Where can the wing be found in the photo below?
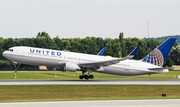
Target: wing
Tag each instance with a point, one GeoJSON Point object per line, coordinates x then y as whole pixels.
{"type": "Point", "coordinates": [97, 65]}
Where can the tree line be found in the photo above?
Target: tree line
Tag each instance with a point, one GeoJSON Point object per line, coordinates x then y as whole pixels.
{"type": "Point", "coordinates": [118, 47]}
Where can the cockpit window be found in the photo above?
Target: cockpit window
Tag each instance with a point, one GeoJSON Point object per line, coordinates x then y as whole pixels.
{"type": "Point", "coordinates": [11, 50]}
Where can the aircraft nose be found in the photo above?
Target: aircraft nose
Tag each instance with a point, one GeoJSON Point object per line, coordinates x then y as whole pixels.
{"type": "Point", "coordinates": [4, 53]}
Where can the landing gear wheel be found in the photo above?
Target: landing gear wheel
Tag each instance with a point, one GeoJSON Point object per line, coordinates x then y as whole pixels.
{"type": "Point", "coordinates": [81, 77]}
{"type": "Point", "coordinates": [91, 76]}
{"type": "Point", "coordinates": [86, 77]}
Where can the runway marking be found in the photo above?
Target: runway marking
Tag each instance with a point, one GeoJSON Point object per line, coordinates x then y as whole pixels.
{"type": "Point", "coordinates": [90, 82]}
{"type": "Point", "coordinates": [105, 103]}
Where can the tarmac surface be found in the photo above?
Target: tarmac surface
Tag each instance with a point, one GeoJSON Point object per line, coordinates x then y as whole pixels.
{"type": "Point", "coordinates": [89, 82]}
{"type": "Point", "coordinates": [105, 103]}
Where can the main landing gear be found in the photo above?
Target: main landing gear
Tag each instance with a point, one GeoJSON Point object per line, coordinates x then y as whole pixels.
{"type": "Point", "coordinates": [86, 76]}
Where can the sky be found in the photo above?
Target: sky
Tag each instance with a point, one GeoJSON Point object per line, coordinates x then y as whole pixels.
{"type": "Point", "coordinates": [82, 18]}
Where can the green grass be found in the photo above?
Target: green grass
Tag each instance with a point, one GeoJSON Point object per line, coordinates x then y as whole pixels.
{"type": "Point", "coordinates": [50, 75]}
{"type": "Point", "coordinates": [26, 93]}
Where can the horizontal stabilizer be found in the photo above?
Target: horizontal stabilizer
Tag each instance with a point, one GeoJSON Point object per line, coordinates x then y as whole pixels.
{"type": "Point", "coordinates": [161, 68]}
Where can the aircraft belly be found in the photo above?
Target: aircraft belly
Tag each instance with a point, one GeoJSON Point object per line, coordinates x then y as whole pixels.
{"type": "Point", "coordinates": [124, 72]}
{"type": "Point", "coordinates": [115, 71]}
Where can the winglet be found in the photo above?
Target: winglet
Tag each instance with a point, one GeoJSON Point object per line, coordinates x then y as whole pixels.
{"type": "Point", "coordinates": [101, 52]}
{"type": "Point", "coordinates": [134, 51]}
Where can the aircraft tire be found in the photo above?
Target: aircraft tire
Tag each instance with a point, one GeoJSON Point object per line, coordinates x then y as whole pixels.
{"type": "Point", "coordinates": [86, 77]}
{"type": "Point", "coordinates": [91, 76]}
{"type": "Point", "coordinates": [81, 77]}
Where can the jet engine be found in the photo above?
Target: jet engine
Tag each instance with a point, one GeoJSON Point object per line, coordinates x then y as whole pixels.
{"type": "Point", "coordinates": [71, 67]}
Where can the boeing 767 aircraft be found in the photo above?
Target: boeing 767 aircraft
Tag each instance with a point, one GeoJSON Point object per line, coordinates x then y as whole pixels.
{"type": "Point", "coordinates": [71, 61]}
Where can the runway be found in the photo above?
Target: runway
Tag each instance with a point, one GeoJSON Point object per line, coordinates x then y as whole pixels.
{"type": "Point", "coordinates": [105, 103]}
{"type": "Point", "coordinates": [89, 82]}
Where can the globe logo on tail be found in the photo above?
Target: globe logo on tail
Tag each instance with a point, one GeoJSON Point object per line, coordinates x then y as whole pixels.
{"type": "Point", "coordinates": [155, 58]}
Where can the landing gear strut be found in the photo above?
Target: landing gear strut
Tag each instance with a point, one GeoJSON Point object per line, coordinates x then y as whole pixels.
{"type": "Point", "coordinates": [86, 76]}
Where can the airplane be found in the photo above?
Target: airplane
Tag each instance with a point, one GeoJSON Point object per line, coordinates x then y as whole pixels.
{"type": "Point", "coordinates": [72, 61]}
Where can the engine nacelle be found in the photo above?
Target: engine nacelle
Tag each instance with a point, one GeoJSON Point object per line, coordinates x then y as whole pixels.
{"type": "Point", "coordinates": [71, 67]}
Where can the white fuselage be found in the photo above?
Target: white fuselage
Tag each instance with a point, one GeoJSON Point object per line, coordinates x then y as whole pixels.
{"type": "Point", "coordinates": [56, 58]}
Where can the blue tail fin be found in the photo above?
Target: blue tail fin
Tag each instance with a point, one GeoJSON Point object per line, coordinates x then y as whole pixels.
{"type": "Point", "coordinates": [159, 55]}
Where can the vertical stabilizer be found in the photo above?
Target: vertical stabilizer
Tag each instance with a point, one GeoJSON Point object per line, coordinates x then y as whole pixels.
{"type": "Point", "coordinates": [159, 55]}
